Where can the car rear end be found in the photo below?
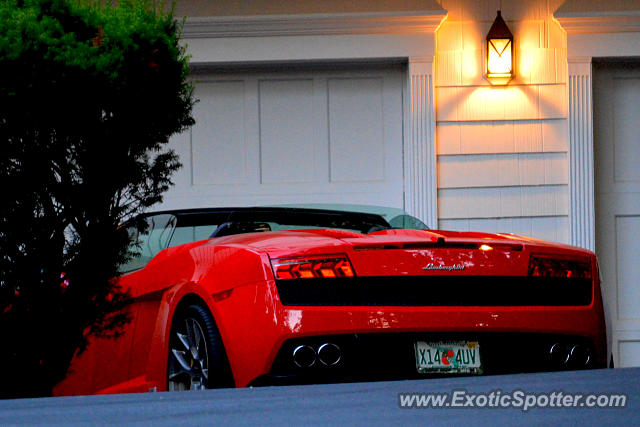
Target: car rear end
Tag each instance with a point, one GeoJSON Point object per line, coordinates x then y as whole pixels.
{"type": "Point", "coordinates": [401, 304]}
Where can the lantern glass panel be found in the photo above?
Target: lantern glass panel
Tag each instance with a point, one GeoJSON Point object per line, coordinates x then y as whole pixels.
{"type": "Point", "coordinates": [499, 56]}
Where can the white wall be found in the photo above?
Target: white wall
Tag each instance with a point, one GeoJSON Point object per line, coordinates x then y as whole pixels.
{"type": "Point", "coordinates": [502, 150]}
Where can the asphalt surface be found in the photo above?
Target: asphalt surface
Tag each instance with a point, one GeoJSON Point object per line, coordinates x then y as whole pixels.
{"type": "Point", "coordinates": [343, 404]}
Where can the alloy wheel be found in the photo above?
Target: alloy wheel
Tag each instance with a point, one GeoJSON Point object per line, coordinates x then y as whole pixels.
{"type": "Point", "coordinates": [188, 356]}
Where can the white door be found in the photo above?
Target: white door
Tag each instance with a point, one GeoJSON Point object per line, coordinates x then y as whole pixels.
{"type": "Point", "coordinates": [311, 135]}
{"type": "Point", "coordinates": [617, 161]}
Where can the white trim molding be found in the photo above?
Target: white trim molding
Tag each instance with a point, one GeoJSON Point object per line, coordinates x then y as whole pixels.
{"type": "Point", "coordinates": [581, 157]}
{"type": "Point", "coordinates": [597, 23]}
{"type": "Point", "coordinates": [420, 171]}
{"type": "Point", "coordinates": [313, 24]}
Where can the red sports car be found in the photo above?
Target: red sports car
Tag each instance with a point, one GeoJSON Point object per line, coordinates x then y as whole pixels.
{"type": "Point", "coordinates": [282, 295]}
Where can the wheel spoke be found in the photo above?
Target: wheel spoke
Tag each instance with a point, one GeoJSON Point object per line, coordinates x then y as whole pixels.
{"type": "Point", "coordinates": [184, 340]}
{"type": "Point", "coordinates": [177, 374]}
{"type": "Point", "coordinates": [205, 371]}
{"type": "Point", "coordinates": [197, 335]}
{"type": "Point", "coordinates": [179, 356]}
{"type": "Point", "coordinates": [189, 329]}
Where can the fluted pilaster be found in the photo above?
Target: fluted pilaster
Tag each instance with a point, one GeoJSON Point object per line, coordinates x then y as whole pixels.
{"type": "Point", "coordinates": [421, 192]}
{"type": "Point", "coordinates": [581, 167]}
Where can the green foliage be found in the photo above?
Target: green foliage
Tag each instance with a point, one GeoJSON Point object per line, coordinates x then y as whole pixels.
{"type": "Point", "coordinates": [89, 96]}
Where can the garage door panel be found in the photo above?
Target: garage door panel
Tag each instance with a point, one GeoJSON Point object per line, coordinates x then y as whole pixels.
{"type": "Point", "coordinates": [218, 142]}
{"type": "Point", "coordinates": [629, 353]}
{"type": "Point", "coordinates": [181, 145]}
{"type": "Point", "coordinates": [356, 130]}
{"type": "Point", "coordinates": [617, 148]}
{"type": "Point", "coordinates": [296, 136]}
{"type": "Point", "coordinates": [200, 199]}
{"type": "Point", "coordinates": [277, 191]}
{"type": "Point", "coordinates": [626, 129]}
{"type": "Point", "coordinates": [628, 268]}
{"type": "Point", "coordinates": [286, 146]}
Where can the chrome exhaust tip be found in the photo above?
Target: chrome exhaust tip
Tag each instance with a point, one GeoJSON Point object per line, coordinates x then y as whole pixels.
{"type": "Point", "coordinates": [559, 354]}
{"type": "Point", "coordinates": [579, 355]}
{"type": "Point", "coordinates": [329, 354]}
{"type": "Point", "coordinates": [304, 356]}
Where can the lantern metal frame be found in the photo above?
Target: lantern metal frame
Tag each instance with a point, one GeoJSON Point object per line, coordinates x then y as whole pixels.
{"type": "Point", "coordinates": [499, 43]}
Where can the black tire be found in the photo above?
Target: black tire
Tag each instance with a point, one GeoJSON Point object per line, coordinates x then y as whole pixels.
{"type": "Point", "coordinates": [197, 359]}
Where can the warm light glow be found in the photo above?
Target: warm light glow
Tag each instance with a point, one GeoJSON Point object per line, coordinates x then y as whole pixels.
{"type": "Point", "coordinates": [485, 248]}
{"type": "Point", "coordinates": [499, 79]}
{"type": "Point", "coordinates": [499, 53]}
{"type": "Point", "coordinates": [499, 56]}
{"type": "Point", "coordinates": [471, 66]}
{"type": "Point", "coordinates": [499, 61]}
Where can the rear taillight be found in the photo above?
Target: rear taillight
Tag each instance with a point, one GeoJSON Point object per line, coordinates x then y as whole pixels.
{"type": "Point", "coordinates": [312, 267]}
{"type": "Point", "coordinates": [551, 266]}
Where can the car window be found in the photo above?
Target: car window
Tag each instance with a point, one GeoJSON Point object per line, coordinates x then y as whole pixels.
{"type": "Point", "coordinates": [194, 226]}
{"type": "Point", "coordinates": [407, 222]}
{"type": "Point", "coordinates": [146, 244]}
{"type": "Point", "coordinates": [191, 233]}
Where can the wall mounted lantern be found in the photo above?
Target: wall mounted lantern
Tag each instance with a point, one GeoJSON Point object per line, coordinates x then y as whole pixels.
{"type": "Point", "coordinates": [499, 53]}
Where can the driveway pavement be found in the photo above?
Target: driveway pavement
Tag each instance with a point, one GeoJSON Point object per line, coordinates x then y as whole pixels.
{"type": "Point", "coordinates": [355, 404]}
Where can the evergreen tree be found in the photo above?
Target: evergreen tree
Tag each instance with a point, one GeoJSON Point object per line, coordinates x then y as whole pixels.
{"type": "Point", "coordinates": [89, 95]}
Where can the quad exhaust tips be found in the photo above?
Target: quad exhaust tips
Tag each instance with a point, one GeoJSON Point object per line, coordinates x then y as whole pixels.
{"type": "Point", "coordinates": [577, 356]}
{"type": "Point", "coordinates": [305, 356]}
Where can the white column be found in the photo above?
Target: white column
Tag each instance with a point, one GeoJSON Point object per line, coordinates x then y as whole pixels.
{"type": "Point", "coordinates": [581, 164]}
{"type": "Point", "coordinates": [420, 171]}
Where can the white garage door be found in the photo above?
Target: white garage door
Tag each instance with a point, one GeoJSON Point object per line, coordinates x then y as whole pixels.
{"type": "Point", "coordinates": [617, 146]}
{"type": "Point", "coordinates": [303, 136]}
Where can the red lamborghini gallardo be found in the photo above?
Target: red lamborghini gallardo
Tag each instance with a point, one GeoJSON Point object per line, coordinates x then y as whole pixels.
{"type": "Point", "coordinates": [283, 295]}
